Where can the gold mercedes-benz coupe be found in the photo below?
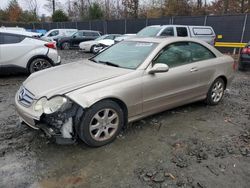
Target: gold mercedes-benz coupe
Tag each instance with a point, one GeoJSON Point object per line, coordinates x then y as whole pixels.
{"type": "Point", "coordinates": [93, 99]}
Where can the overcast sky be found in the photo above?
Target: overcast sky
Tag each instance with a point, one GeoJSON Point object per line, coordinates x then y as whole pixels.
{"type": "Point", "coordinates": [4, 3]}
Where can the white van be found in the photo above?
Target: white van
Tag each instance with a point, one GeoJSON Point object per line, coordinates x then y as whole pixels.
{"type": "Point", "coordinates": [55, 34]}
{"type": "Point", "coordinates": [205, 33]}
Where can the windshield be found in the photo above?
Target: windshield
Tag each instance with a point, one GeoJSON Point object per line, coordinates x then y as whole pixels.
{"type": "Point", "coordinates": [101, 37]}
{"type": "Point", "coordinates": [126, 54]}
{"type": "Point", "coordinates": [149, 32]}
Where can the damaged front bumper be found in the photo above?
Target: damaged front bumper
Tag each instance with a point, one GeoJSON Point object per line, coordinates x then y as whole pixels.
{"type": "Point", "coordinates": [59, 125]}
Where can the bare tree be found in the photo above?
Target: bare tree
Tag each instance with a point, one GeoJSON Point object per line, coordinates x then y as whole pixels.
{"type": "Point", "coordinates": [32, 6]}
{"type": "Point", "coordinates": [225, 6]}
{"type": "Point", "coordinates": [52, 5]}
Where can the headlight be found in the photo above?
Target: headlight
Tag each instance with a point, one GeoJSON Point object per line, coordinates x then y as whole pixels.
{"type": "Point", "coordinates": [50, 106]}
{"type": "Point", "coordinates": [40, 104]}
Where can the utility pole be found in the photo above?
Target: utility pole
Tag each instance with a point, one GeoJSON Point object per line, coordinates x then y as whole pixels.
{"type": "Point", "coordinates": [54, 6]}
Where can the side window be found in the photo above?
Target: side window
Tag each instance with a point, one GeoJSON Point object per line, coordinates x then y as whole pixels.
{"type": "Point", "coordinates": [87, 34]}
{"type": "Point", "coordinates": [200, 52]}
{"type": "Point", "coordinates": [169, 31]}
{"type": "Point", "coordinates": [11, 38]}
{"type": "Point", "coordinates": [95, 34]}
{"type": "Point", "coordinates": [175, 55]}
{"type": "Point", "coordinates": [54, 33]}
{"type": "Point", "coordinates": [1, 38]}
{"type": "Point", "coordinates": [79, 34]}
{"type": "Point", "coordinates": [181, 31]}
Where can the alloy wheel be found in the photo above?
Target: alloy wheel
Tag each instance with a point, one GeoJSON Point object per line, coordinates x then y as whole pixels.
{"type": "Point", "coordinates": [104, 124]}
{"type": "Point", "coordinates": [39, 64]}
{"type": "Point", "coordinates": [217, 91]}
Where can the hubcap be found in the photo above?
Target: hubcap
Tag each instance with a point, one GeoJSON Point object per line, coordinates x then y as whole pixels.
{"type": "Point", "coordinates": [104, 124]}
{"type": "Point", "coordinates": [40, 65]}
{"type": "Point", "coordinates": [217, 91]}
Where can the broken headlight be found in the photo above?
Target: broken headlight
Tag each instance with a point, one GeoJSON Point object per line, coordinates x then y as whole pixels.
{"type": "Point", "coordinates": [50, 106]}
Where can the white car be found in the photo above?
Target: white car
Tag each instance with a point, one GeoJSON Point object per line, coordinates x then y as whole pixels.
{"type": "Point", "coordinates": [20, 52]}
{"type": "Point", "coordinates": [125, 36]}
{"type": "Point", "coordinates": [20, 30]}
{"type": "Point", "coordinates": [91, 46]}
{"type": "Point", "coordinates": [205, 33]}
{"type": "Point", "coordinates": [56, 34]}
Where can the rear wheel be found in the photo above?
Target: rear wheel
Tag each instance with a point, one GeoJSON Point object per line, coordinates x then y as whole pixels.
{"type": "Point", "coordinates": [39, 64]}
{"type": "Point", "coordinates": [65, 46]}
{"type": "Point", "coordinates": [101, 123]}
{"type": "Point", "coordinates": [216, 92]}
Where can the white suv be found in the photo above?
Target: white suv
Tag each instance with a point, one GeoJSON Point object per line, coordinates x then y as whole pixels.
{"type": "Point", "coordinates": [56, 34]}
{"type": "Point", "coordinates": [19, 51]}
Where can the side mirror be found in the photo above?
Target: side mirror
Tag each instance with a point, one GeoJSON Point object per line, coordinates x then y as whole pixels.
{"type": "Point", "coordinates": [158, 68]}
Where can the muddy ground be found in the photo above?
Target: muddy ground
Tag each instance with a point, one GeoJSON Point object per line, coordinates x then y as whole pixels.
{"type": "Point", "coordinates": [191, 146]}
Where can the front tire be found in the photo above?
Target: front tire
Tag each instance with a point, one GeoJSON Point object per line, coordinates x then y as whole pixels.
{"type": "Point", "coordinates": [216, 92]}
{"type": "Point", "coordinates": [101, 123]}
{"type": "Point", "coordinates": [38, 64]}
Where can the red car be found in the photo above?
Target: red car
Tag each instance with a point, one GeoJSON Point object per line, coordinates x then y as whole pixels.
{"type": "Point", "coordinates": [244, 62]}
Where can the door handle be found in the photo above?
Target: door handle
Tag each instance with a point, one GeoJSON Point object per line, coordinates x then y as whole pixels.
{"type": "Point", "coordinates": [194, 69]}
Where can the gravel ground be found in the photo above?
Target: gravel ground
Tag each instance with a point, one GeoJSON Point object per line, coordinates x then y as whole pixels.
{"type": "Point", "coordinates": [191, 146]}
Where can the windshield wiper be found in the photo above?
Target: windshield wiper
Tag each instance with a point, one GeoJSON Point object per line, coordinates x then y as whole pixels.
{"type": "Point", "coordinates": [109, 63]}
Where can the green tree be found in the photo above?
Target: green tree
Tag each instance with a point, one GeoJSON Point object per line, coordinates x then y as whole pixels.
{"type": "Point", "coordinates": [59, 16]}
{"type": "Point", "coordinates": [95, 11]}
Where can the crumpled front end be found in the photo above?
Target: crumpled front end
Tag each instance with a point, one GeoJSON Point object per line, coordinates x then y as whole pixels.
{"type": "Point", "coordinates": [59, 124]}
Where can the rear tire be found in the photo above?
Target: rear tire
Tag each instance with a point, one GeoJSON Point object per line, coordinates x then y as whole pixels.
{"type": "Point", "coordinates": [38, 64]}
{"type": "Point", "coordinates": [65, 46]}
{"type": "Point", "coordinates": [101, 123]}
{"type": "Point", "coordinates": [216, 92]}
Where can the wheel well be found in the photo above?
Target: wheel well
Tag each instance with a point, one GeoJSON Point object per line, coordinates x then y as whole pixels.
{"type": "Point", "coordinates": [36, 57]}
{"type": "Point", "coordinates": [224, 79]}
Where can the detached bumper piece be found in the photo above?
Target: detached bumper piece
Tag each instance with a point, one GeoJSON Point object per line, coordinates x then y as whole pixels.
{"type": "Point", "coordinates": [59, 125]}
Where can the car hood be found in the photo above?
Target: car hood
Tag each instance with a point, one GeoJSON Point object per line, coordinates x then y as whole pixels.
{"type": "Point", "coordinates": [66, 78]}
{"type": "Point", "coordinates": [91, 42]}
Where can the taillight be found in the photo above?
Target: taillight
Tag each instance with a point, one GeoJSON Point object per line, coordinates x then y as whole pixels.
{"type": "Point", "coordinates": [50, 45]}
{"type": "Point", "coordinates": [245, 50]}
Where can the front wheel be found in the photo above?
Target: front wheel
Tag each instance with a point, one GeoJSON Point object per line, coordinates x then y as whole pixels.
{"type": "Point", "coordinates": [216, 92]}
{"type": "Point", "coordinates": [101, 123]}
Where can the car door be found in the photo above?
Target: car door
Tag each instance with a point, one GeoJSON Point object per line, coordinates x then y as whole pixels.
{"type": "Point", "coordinates": [77, 38]}
{"type": "Point", "coordinates": [12, 50]}
{"type": "Point", "coordinates": [205, 63]}
{"type": "Point", "coordinates": [177, 86]}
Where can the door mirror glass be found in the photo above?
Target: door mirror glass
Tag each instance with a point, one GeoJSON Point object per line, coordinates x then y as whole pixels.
{"type": "Point", "coordinates": [158, 68]}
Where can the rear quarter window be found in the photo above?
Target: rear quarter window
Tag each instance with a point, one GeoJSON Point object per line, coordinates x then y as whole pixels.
{"type": "Point", "coordinates": [95, 34]}
{"type": "Point", "coordinates": [182, 31]}
{"type": "Point", "coordinates": [202, 31]}
{"type": "Point", "coordinates": [199, 52]}
{"type": "Point", "coordinates": [11, 38]}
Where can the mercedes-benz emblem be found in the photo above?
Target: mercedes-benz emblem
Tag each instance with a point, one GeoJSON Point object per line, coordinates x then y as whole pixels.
{"type": "Point", "coordinates": [21, 94]}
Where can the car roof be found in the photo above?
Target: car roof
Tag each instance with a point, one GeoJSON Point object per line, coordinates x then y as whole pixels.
{"type": "Point", "coordinates": [165, 40]}
{"type": "Point", "coordinates": [17, 32]}
{"type": "Point", "coordinates": [89, 31]}
{"type": "Point", "coordinates": [172, 25]}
